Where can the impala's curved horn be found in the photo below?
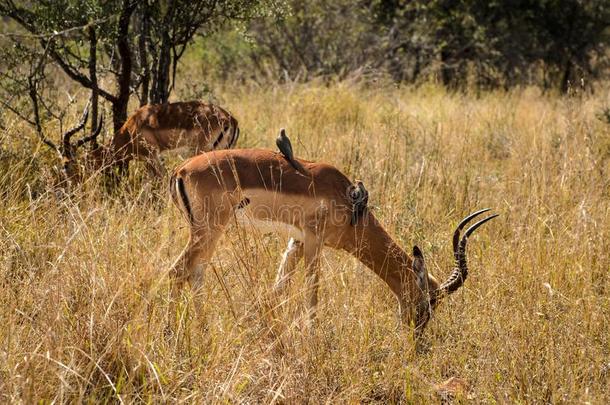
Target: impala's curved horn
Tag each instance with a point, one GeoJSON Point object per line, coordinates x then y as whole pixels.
{"type": "Point", "coordinates": [461, 225]}
{"type": "Point", "coordinates": [460, 272]}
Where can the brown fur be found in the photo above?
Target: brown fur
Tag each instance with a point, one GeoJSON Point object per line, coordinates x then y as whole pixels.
{"type": "Point", "coordinates": [155, 128]}
{"type": "Point", "coordinates": [317, 207]}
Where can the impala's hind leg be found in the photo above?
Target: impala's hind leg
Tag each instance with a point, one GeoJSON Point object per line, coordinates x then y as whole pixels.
{"type": "Point", "coordinates": [190, 266]}
{"type": "Point", "coordinates": [208, 219]}
{"type": "Point", "coordinates": [290, 259]}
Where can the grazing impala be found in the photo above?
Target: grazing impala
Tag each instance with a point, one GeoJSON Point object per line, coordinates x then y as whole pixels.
{"type": "Point", "coordinates": [154, 128]}
{"type": "Point", "coordinates": [323, 208]}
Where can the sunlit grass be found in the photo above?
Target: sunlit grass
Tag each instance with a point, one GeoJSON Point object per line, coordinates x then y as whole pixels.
{"type": "Point", "coordinates": [86, 308]}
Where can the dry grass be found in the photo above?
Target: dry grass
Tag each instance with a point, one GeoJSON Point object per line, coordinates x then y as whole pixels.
{"type": "Point", "coordinates": [85, 302]}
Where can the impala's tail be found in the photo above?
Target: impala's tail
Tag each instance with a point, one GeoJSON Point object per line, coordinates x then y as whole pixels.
{"type": "Point", "coordinates": [179, 196]}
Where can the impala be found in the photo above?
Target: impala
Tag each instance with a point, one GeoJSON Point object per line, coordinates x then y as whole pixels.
{"type": "Point", "coordinates": [154, 128]}
{"type": "Point", "coordinates": [321, 208]}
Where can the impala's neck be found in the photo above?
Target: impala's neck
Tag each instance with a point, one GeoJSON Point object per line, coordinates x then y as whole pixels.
{"type": "Point", "coordinates": [374, 247]}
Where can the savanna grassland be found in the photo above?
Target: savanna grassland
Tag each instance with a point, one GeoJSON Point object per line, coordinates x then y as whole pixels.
{"type": "Point", "coordinates": [85, 308]}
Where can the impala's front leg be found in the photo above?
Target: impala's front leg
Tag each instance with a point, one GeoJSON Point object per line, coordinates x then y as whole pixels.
{"type": "Point", "coordinates": [290, 259]}
{"type": "Point", "coordinates": [154, 166]}
{"type": "Point", "coordinates": [312, 249]}
{"type": "Point", "coordinates": [148, 149]}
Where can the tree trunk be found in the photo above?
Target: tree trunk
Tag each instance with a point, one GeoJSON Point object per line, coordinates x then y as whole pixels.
{"type": "Point", "coordinates": [143, 40]}
{"type": "Point", "coordinates": [446, 70]}
{"type": "Point", "coordinates": [417, 65]}
{"type": "Point", "coordinates": [565, 78]}
{"type": "Point", "coordinates": [119, 107]}
{"type": "Point", "coordinates": [162, 80]}
{"type": "Point", "coordinates": [93, 77]}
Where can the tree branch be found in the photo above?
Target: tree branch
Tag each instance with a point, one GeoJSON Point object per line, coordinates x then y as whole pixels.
{"type": "Point", "coordinates": [34, 97]}
{"type": "Point", "coordinates": [80, 78]}
{"type": "Point", "coordinates": [93, 75]}
{"type": "Point", "coordinates": [47, 41]}
{"type": "Point", "coordinates": [17, 113]}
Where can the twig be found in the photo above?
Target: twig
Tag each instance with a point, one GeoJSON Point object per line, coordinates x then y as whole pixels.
{"type": "Point", "coordinates": [57, 33]}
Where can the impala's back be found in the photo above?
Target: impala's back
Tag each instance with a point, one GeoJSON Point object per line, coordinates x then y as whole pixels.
{"type": "Point", "coordinates": [266, 191]}
{"type": "Point", "coordinates": [194, 125]}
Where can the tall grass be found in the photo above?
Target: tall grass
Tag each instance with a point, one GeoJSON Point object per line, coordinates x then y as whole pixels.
{"type": "Point", "coordinates": [85, 305]}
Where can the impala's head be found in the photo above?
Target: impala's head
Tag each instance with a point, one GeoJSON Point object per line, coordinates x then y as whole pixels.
{"type": "Point", "coordinates": [431, 292]}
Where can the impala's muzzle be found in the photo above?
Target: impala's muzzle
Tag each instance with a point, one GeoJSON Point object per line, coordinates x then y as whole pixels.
{"type": "Point", "coordinates": [423, 313]}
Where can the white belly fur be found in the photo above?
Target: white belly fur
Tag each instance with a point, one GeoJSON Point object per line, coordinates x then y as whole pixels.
{"type": "Point", "coordinates": [268, 226]}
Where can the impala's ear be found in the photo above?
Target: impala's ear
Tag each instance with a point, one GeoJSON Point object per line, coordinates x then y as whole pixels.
{"type": "Point", "coordinates": [419, 267]}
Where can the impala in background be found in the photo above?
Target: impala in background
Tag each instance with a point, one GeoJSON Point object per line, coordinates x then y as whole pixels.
{"type": "Point", "coordinates": [195, 126]}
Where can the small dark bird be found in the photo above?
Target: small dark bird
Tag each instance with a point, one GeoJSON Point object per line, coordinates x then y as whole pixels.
{"type": "Point", "coordinates": [285, 147]}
